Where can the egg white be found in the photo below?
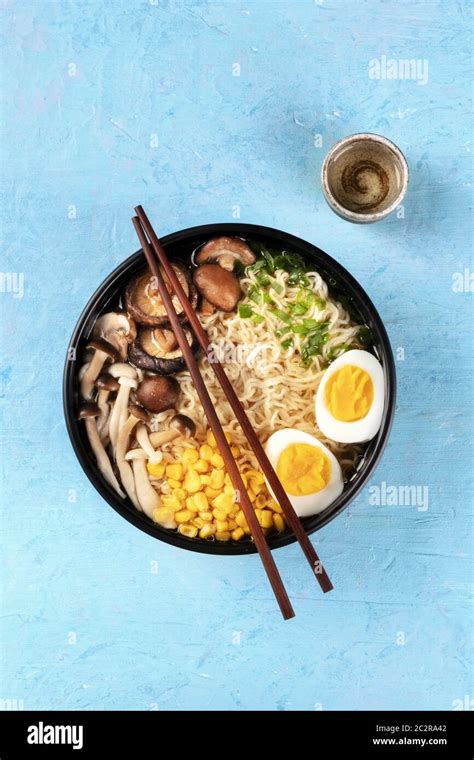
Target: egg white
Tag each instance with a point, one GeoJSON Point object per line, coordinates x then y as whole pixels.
{"type": "Point", "coordinates": [359, 430]}
{"type": "Point", "coordinates": [313, 503]}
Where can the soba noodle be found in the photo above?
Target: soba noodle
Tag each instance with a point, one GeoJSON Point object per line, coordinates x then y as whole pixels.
{"type": "Point", "coordinates": [275, 389]}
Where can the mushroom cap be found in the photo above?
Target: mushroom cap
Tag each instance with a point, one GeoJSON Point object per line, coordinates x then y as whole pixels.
{"type": "Point", "coordinates": [118, 328]}
{"type": "Point", "coordinates": [139, 412]}
{"type": "Point", "coordinates": [90, 409]}
{"type": "Point", "coordinates": [99, 344]}
{"type": "Point", "coordinates": [217, 285]}
{"type": "Point", "coordinates": [143, 300]}
{"type": "Point", "coordinates": [225, 251]}
{"type": "Point", "coordinates": [185, 425]}
{"type": "Point", "coordinates": [120, 369]}
{"type": "Point", "coordinates": [158, 393]}
{"type": "Point", "coordinates": [107, 383]}
{"type": "Point", "coordinates": [148, 353]}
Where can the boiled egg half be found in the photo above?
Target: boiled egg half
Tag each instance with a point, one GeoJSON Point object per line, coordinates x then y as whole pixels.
{"type": "Point", "coordinates": [350, 398]}
{"type": "Point", "coordinates": [307, 470]}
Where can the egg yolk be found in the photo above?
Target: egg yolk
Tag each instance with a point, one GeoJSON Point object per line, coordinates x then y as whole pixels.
{"type": "Point", "coordinates": [349, 393]}
{"type": "Point", "coordinates": [303, 469]}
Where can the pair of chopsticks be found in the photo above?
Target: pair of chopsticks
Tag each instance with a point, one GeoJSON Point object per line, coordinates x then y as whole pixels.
{"type": "Point", "coordinates": [156, 255]}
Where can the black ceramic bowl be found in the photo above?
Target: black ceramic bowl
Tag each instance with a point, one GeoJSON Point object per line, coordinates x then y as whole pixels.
{"type": "Point", "coordinates": [180, 245]}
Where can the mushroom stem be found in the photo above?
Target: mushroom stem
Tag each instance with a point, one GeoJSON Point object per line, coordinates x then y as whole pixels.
{"type": "Point", "coordinates": [141, 434]}
{"type": "Point", "coordinates": [162, 437]}
{"type": "Point", "coordinates": [92, 373]}
{"type": "Point", "coordinates": [146, 494]}
{"type": "Point", "coordinates": [125, 470]}
{"type": "Point", "coordinates": [102, 403]}
{"type": "Point", "coordinates": [119, 410]}
{"type": "Point", "coordinates": [103, 351]}
{"type": "Point", "coordinates": [103, 461]}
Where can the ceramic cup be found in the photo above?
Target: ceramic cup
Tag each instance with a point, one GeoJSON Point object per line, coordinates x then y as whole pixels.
{"type": "Point", "coordinates": [364, 178]}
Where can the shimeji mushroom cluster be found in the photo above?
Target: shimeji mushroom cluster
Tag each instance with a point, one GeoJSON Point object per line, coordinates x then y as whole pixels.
{"type": "Point", "coordinates": [111, 414]}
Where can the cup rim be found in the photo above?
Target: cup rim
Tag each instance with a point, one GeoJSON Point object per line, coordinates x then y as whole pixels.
{"type": "Point", "coordinates": [341, 210]}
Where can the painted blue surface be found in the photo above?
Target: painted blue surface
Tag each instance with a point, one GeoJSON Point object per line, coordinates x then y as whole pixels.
{"type": "Point", "coordinates": [96, 614]}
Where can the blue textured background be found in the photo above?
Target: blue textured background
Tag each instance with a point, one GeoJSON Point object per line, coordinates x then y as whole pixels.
{"type": "Point", "coordinates": [96, 614]}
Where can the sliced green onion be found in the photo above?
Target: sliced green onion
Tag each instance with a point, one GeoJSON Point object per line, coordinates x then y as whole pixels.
{"type": "Point", "coordinates": [365, 336]}
{"type": "Point", "coordinates": [337, 351]}
{"type": "Point", "coordinates": [298, 309]}
{"type": "Point", "coordinates": [282, 331]}
{"type": "Point", "coordinates": [270, 264]}
{"type": "Point", "coordinates": [255, 294]}
{"type": "Point", "coordinates": [277, 287]}
{"type": "Point", "coordinates": [245, 311]}
{"type": "Point", "coordinates": [257, 319]}
{"type": "Point", "coordinates": [238, 268]}
{"type": "Point", "coordinates": [288, 343]}
{"type": "Point", "coordinates": [282, 315]}
{"type": "Point", "coordinates": [298, 328]}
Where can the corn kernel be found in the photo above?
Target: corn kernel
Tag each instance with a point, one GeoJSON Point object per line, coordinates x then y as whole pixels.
{"type": "Point", "coordinates": [222, 525]}
{"type": "Point", "coordinates": [174, 471]}
{"type": "Point", "coordinates": [278, 522]}
{"type": "Point", "coordinates": [192, 481]}
{"type": "Point", "coordinates": [207, 531]}
{"type": "Point", "coordinates": [198, 522]}
{"type": "Point", "coordinates": [165, 517]}
{"type": "Point", "coordinates": [205, 480]}
{"type": "Point", "coordinates": [260, 501]}
{"type": "Point", "coordinates": [235, 451]}
{"type": "Point", "coordinates": [256, 475]}
{"type": "Point", "coordinates": [224, 502]}
{"type": "Point", "coordinates": [170, 501]}
{"type": "Point", "coordinates": [217, 479]}
{"type": "Point", "coordinates": [223, 535]}
{"type": "Point", "coordinates": [201, 502]}
{"type": "Point", "coordinates": [188, 530]}
{"type": "Point", "coordinates": [241, 520]}
{"type": "Point", "coordinates": [179, 494]}
{"type": "Point", "coordinates": [211, 493]}
{"type": "Point", "coordinates": [205, 452]}
{"type": "Point", "coordinates": [237, 534]}
{"type": "Point", "coordinates": [206, 516]}
{"type": "Point", "coordinates": [183, 516]}
{"type": "Point", "coordinates": [266, 519]}
{"type": "Point", "coordinates": [256, 486]}
{"type": "Point", "coordinates": [219, 514]}
{"type": "Point", "coordinates": [217, 461]}
{"type": "Point", "coordinates": [156, 470]}
{"type": "Point", "coordinates": [274, 506]}
{"type": "Point", "coordinates": [211, 439]}
{"type": "Point", "coordinates": [232, 524]}
{"type": "Point", "coordinates": [258, 512]}
{"type": "Point", "coordinates": [201, 465]}
{"type": "Point", "coordinates": [230, 490]}
{"type": "Point", "coordinates": [191, 504]}
{"type": "Point", "coordinates": [173, 483]}
{"type": "Point", "coordinates": [190, 456]}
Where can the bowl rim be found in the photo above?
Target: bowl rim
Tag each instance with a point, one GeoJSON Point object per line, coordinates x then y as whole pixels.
{"type": "Point", "coordinates": [77, 436]}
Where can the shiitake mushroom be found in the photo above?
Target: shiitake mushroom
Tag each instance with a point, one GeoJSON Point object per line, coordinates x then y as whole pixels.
{"type": "Point", "coordinates": [143, 301]}
{"type": "Point", "coordinates": [156, 349]}
{"type": "Point", "coordinates": [218, 286]}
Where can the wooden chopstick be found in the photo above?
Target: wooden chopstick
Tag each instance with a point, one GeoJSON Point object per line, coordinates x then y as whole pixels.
{"type": "Point", "coordinates": [290, 515]}
{"type": "Point", "coordinates": [230, 463]}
